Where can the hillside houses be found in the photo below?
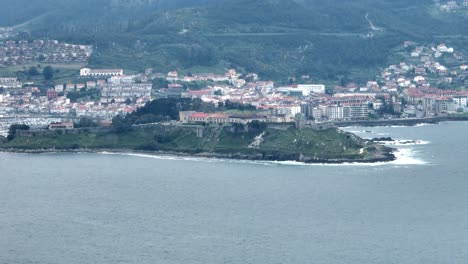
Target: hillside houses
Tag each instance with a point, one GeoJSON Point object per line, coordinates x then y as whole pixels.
{"type": "Point", "coordinates": [47, 51]}
{"type": "Point", "coordinates": [428, 81]}
{"type": "Point", "coordinates": [9, 83]}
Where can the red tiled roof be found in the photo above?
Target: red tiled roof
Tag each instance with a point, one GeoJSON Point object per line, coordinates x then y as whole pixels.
{"type": "Point", "coordinates": [199, 115]}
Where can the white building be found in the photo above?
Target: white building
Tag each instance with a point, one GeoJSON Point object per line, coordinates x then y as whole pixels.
{"type": "Point", "coordinates": [335, 112]}
{"type": "Point", "coordinates": [303, 89]}
{"type": "Point", "coordinates": [10, 83]}
{"type": "Point", "coordinates": [287, 110]}
{"type": "Point", "coordinates": [119, 92]}
{"type": "Point", "coordinates": [100, 72]}
{"type": "Point", "coordinates": [59, 88]}
{"type": "Point", "coordinates": [312, 88]}
{"type": "Point", "coordinates": [460, 101]}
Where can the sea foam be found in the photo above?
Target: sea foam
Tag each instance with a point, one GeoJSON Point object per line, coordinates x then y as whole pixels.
{"type": "Point", "coordinates": [406, 156]}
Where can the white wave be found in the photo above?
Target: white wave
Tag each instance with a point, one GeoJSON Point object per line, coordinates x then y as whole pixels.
{"type": "Point", "coordinates": [403, 157]}
{"type": "Point", "coordinates": [354, 131]}
{"type": "Point", "coordinates": [403, 142]}
{"type": "Point", "coordinates": [255, 162]}
{"type": "Point", "coordinates": [358, 131]}
{"type": "Point", "coordinates": [382, 134]}
{"type": "Point", "coordinates": [423, 125]}
{"type": "Point", "coordinates": [186, 158]}
{"type": "Point", "coordinates": [345, 164]}
{"type": "Point", "coordinates": [406, 157]}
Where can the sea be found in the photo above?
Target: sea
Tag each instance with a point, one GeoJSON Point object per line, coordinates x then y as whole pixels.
{"type": "Point", "coordinates": [130, 208]}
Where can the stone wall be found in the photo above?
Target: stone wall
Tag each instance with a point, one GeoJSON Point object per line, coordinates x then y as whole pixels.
{"type": "Point", "coordinates": [47, 132]}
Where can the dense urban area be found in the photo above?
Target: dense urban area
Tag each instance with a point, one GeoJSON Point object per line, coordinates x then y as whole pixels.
{"type": "Point", "coordinates": [428, 81]}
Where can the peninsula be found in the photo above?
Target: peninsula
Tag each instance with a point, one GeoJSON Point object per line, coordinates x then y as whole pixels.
{"type": "Point", "coordinates": [254, 141]}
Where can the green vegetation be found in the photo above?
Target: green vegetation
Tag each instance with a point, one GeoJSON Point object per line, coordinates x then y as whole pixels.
{"type": "Point", "coordinates": [290, 144]}
{"type": "Point", "coordinates": [328, 40]}
{"type": "Point", "coordinates": [48, 73]}
{"type": "Point", "coordinates": [44, 76]}
{"type": "Point", "coordinates": [166, 109]}
{"type": "Point", "coordinates": [14, 128]}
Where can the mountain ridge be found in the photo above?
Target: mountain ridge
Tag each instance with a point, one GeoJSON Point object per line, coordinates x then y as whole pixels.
{"type": "Point", "coordinates": [327, 39]}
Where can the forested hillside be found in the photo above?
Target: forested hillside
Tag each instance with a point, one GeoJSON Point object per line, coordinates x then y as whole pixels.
{"type": "Point", "coordinates": [278, 38]}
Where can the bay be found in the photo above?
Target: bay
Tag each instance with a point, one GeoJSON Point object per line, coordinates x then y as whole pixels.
{"type": "Point", "coordinates": [117, 208]}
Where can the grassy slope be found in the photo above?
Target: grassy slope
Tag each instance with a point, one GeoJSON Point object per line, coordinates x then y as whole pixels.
{"type": "Point", "coordinates": [325, 144]}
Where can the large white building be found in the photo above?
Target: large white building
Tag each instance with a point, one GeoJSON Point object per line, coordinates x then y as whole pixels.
{"type": "Point", "coordinates": [100, 72]}
{"type": "Point", "coordinates": [460, 101]}
{"type": "Point", "coordinates": [303, 89]}
{"type": "Point", "coordinates": [118, 90]}
{"type": "Point", "coordinates": [342, 112]}
{"type": "Point", "coordinates": [287, 110]}
{"type": "Point", "coordinates": [312, 88]}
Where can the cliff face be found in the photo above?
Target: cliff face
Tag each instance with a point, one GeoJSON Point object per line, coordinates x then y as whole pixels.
{"type": "Point", "coordinates": [289, 144]}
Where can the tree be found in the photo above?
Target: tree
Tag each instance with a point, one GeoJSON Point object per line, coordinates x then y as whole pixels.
{"type": "Point", "coordinates": [160, 83]}
{"type": "Point", "coordinates": [14, 128]}
{"type": "Point", "coordinates": [33, 71]}
{"type": "Point", "coordinates": [48, 73]}
{"type": "Point", "coordinates": [121, 124]}
{"type": "Point", "coordinates": [85, 122]}
{"type": "Point", "coordinates": [238, 127]}
{"type": "Point", "coordinates": [257, 126]}
{"type": "Point", "coordinates": [149, 118]}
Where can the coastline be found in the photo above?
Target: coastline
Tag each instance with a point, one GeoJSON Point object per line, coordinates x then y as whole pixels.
{"type": "Point", "coordinates": [401, 121]}
{"type": "Point", "coordinates": [385, 155]}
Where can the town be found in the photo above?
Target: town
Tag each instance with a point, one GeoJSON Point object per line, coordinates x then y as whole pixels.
{"type": "Point", "coordinates": [428, 81]}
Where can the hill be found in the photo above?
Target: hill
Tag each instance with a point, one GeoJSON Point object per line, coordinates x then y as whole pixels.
{"type": "Point", "coordinates": [306, 145]}
{"type": "Point", "coordinates": [330, 40]}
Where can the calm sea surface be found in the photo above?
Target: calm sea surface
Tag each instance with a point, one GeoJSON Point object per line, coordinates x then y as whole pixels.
{"type": "Point", "coordinates": [105, 208]}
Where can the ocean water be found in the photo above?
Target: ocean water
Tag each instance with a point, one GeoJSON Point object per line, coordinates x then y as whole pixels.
{"type": "Point", "coordinates": [116, 208]}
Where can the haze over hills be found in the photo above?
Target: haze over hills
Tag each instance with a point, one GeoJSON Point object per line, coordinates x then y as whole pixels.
{"type": "Point", "coordinates": [328, 39]}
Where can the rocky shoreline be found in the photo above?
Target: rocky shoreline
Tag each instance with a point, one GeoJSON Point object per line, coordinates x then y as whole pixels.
{"type": "Point", "coordinates": [401, 122]}
{"type": "Point", "coordinates": [381, 154]}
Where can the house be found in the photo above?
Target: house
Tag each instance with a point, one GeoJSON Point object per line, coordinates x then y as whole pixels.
{"type": "Point", "coordinates": [51, 94]}
{"type": "Point", "coordinates": [218, 119]}
{"type": "Point", "coordinates": [184, 116]}
{"type": "Point", "coordinates": [172, 76]}
{"type": "Point", "coordinates": [59, 88]}
{"type": "Point", "coordinates": [10, 83]}
{"type": "Point", "coordinates": [70, 87]}
{"type": "Point", "coordinates": [91, 84]}
{"type": "Point", "coordinates": [198, 118]}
